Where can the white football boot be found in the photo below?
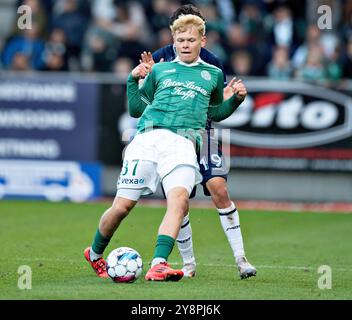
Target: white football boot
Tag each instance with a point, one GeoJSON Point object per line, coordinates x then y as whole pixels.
{"type": "Point", "coordinates": [245, 269]}
{"type": "Point", "coordinates": [189, 269]}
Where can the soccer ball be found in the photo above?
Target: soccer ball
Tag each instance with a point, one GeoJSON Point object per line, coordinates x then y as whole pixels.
{"type": "Point", "coordinates": [124, 265]}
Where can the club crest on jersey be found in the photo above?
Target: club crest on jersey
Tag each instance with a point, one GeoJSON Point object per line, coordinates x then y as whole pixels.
{"type": "Point", "coordinates": [205, 75]}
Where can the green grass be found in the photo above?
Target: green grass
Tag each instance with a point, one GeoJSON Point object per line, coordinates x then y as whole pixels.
{"type": "Point", "coordinates": [287, 249]}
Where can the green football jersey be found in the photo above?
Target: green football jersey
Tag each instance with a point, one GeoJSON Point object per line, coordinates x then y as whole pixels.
{"type": "Point", "coordinates": [178, 95]}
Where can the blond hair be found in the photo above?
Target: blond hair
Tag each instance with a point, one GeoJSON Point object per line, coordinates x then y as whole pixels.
{"type": "Point", "coordinates": [184, 21]}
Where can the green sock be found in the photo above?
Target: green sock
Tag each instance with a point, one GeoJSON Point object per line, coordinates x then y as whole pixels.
{"type": "Point", "coordinates": [164, 246]}
{"type": "Point", "coordinates": [100, 242]}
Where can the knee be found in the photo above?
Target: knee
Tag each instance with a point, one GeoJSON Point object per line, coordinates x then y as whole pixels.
{"type": "Point", "coordinates": [220, 195]}
{"type": "Point", "coordinates": [184, 204]}
{"type": "Point", "coordinates": [121, 207]}
{"type": "Point", "coordinates": [113, 216]}
{"type": "Point", "coordinates": [179, 198]}
{"type": "Point", "coordinates": [183, 201]}
{"type": "Point", "coordinates": [120, 213]}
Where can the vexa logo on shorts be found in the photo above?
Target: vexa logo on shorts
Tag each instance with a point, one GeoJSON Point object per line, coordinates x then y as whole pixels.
{"type": "Point", "coordinates": [130, 181]}
{"type": "Point", "coordinates": [289, 115]}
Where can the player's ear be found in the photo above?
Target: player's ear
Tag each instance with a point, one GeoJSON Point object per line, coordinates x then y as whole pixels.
{"type": "Point", "coordinates": [204, 41]}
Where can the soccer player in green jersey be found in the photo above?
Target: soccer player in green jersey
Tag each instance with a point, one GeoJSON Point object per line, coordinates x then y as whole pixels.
{"type": "Point", "coordinates": [173, 104]}
{"type": "Point", "coordinates": [212, 166]}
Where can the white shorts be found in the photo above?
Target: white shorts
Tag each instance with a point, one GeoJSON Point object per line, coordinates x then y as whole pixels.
{"type": "Point", "coordinates": [182, 176]}
{"type": "Point", "coordinates": [151, 156]}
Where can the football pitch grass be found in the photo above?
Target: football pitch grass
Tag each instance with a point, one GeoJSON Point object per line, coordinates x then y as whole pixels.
{"type": "Point", "coordinates": [286, 247]}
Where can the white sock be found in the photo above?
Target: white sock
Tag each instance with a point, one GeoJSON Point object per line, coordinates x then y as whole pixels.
{"type": "Point", "coordinates": [156, 261]}
{"type": "Point", "coordinates": [230, 222]}
{"type": "Point", "coordinates": [184, 241]}
{"type": "Point", "coordinates": [94, 256]}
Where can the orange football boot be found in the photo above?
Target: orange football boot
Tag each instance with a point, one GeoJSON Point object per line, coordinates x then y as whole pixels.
{"type": "Point", "coordinates": [163, 272]}
{"type": "Point", "coordinates": [99, 265]}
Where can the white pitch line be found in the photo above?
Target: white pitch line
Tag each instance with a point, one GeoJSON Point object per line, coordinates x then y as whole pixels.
{"type": "Point", "coordinates": [212, 265]}
{"type": "Point", "coordinates": [265, 266]}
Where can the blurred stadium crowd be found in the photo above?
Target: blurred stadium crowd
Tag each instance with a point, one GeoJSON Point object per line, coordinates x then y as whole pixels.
{"type": "Point", "coordinates": [278, 39]}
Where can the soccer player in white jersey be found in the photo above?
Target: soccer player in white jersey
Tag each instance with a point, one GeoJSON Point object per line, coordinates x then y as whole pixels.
{"type": "Point", "coordinates": [174, 103]}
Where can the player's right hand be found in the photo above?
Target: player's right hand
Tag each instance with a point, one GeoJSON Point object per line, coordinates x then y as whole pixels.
{"type": "Point", "coordinates": [141, 70]}
{"type": "Point", "coordinates": [147, 57]}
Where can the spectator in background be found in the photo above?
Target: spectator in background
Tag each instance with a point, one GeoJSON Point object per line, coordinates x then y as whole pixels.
{"type": "Point", "coordinates": [334, 66]}
{"type": "Point", "coordinates": [313, 69]}
{"type": "Point", "coordinates": [282, 31]}
{"type": "Point", "coordinates": [20, 62]}
{"type": "Point", "coordinates": [251, 19]}
{"type": "Point", "coordinates": [160, 12]}
{"type": "Point", "coordinates": [122, 67]}
{"type": "Point", "coordinates": [55, 62]}
{"type": "Point", "coordinates": [326, 45]}
{"type": "Point", "coordinates": [100, 46]}
{"type": "Point", "coordinates": [313, 35]}
{"type": "Point", "coordinates": [280, 67]}
{"type": "Point", "coordinates": [238, 40]}
{"type": "Point", "coordinates": [128, 23]}
{"type": "Point", "coordinates": [214, 44]}
{"type": "Point", "coordinates": [226, 11]}
{"type": "Point", "coordinates": [69, 18]}
{"type": "Point", "coordinates": [212, 17]}
{"type": "Point", "coordinates": [55, 53]}
{"type": "Point", "coordinates": [8, 18]}
{"type": "Point", "coordinates": [241, 62]}
{"type": "Point", "coordinates": [27, 44]}
{"type": "Point", "coordinates": [39, 16]}
{"type": "Point", "coordinates": [128, 29]}
{"type": "Point", "coordinates": [99, 52]}
{"type": "Point", "coordinates": [330, 44]}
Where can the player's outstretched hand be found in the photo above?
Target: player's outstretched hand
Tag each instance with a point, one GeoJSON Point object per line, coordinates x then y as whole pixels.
{"type": "Point", "coordinates": [228, 93]}
{"type": "Point", "coordinates": [147, 57]}
{"type": "Point", "coordinates": [238, 88]}
{"type": "Point", "coordinates": [141, 70]}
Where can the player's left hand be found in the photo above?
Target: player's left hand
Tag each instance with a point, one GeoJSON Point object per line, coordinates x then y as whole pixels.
{"type": "Point", "coordinates": [228, 91]}
{"type": "Point", "coordinates": [238, 88]}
